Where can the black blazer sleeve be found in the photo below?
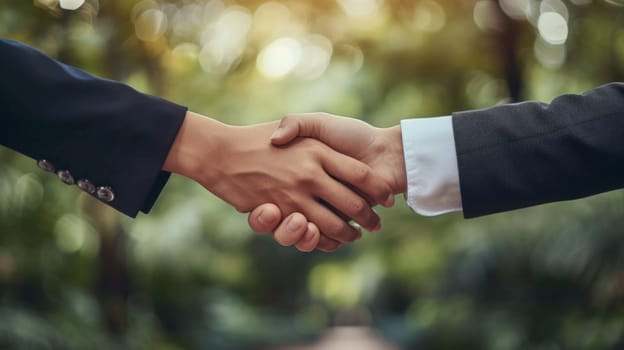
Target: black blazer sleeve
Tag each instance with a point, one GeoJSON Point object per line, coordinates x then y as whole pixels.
{"type": "Point", "coordinates": [519, 155]}
{"type": "Point", "coordinates": [102, 134]}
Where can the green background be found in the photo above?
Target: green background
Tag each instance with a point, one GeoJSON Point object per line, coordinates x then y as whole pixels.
{"type": "Point", "coordinates": [75, 274]}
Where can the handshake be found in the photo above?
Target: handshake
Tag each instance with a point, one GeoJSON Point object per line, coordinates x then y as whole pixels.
{"type": "Point", "coordinates": [308, 177]}
{"type": "Point", "coordinates": [311, 179]}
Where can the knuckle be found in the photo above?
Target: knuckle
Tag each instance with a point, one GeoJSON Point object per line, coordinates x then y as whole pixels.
{"type": "Point", "coordinates": [361, 174]}
{"type": "Point", "coordinates": [360, 207]}
{"type": "Point", "coordinates": [340, 228]}
{"type": "Point", "coordinates": [287, 119]}
{"type": "Point", "coordinates": [307, 175]}
{"type": "Point", "coordinates": [341, 232]}
{"type": "Point", "coordinates": [287, 202]}
{"type": "Point", "coordinates": [337, 228]}
{"type": "Point", "coordinates": [304, 179]}
{"type": "Point", "coordinates": [313, 149]}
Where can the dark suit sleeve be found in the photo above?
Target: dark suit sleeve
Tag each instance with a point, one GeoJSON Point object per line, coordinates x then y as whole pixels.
{"type": "Point", "coordinates": [519, 155]}
{"type": "Point", "coordinates": [97, 130]}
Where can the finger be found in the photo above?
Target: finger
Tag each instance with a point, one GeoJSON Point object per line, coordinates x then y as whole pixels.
{"type": "Point", "coordinates": [351, 206]}
{"type": "Point", "coordinates": [310, 239]}
{"type": "Point", "coordinates": [327, 244]}
{"type": "Point", "coordinates": [291, 230]}
{"type": "Point", "coordinates": [358, 175]}
{"type": "Point", "coordinates": [294, 125]}
{"type": "Point", "coordinates": [265, 218]}
{"type": "Point", "coordinates": [330, 224]}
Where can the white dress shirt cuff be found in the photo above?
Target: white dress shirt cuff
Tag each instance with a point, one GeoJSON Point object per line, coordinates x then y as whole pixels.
{"type": "Point", "coordinates": [431, 165]}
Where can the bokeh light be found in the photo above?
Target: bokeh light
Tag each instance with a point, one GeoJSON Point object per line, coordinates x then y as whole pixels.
{"type": "Point", "coordinates": [336, 284]}
{"type": "Point", "coordinates": [556, 6]}
{"type": "Point", "coordinates": [192, 274]}
{"type": "Point", "coordinates": [549, 55]}
{"type": "Point", "coordinates": [361, 8]}
{"type": "Point", "coordinates": [429, 16]}
{"type": "Point", "coordinates": [315, 57]}
{"type": "Point", "coordinates": [279, 58]}
{"type": "Point", "coordinates": [71, 4]}
{"type": "Point", "coordinates": [223, 41]}
{"type": "Point", "coordinates": [273, 19]}
{"type": "Point", "coordinates": [150, 25]}
{"type": "Point", "coordinates": [73, 234]}
{"type": "Point", "coordinates": [516, 9]}
{"type": "Point", "coordinates": [553, 28]}
{"type": "Point", "coordinates": [616, 2]}
{"type": "Point", "coordinates": [186, 20]}
{"type": "Point", "coordinates": [183, 57]}
{"type": "Point", "coordinates": [27, 192]}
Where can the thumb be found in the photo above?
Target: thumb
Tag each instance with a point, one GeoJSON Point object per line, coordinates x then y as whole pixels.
{"type": "Point", "coordinates": [297, 125]}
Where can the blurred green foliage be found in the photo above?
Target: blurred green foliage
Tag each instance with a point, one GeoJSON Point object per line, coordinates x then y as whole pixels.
{"type": "Point", "coordinates": [75, 274]}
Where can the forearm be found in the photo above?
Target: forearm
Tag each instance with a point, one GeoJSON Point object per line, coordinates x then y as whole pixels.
{"type": "Point", "coordinates": [97, 130]}
{"type": "Point", "coordinates": [514, 156]}
{"type": "Point", "coordinates": [199, 140]}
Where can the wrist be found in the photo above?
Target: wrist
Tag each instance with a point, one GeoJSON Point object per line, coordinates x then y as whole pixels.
{"type": "Point", "coordinates": [393, 139]}
{"type": "Point", "coordinates": [198, 142]}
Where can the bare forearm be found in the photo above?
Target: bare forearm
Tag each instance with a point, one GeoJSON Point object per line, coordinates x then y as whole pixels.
{"type": "Point", "coordinates": [200, 138]}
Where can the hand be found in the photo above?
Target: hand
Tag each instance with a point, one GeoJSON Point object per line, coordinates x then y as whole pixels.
{"type": "Point", "coordinates": [382, 149]}
{"type": "Point", "coordinates": [294, 230]}
{"type": "Point", "coordinates": [240, 166]}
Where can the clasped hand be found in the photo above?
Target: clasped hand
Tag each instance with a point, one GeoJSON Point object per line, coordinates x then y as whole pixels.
{"type": "Point", "coordinates": [379, 148]}
{"type": "Point", "coordinates": [318, 174]}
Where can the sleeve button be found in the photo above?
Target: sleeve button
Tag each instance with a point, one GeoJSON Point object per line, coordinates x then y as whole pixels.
{"type": "Point", "coordinates": [66, 177]}
{"type": "Point", "coordinates": [86, 186]}
{"type": "Point", "coordinates": [45, 165]}
{"type": "Point", "coordinates": [106, 194]}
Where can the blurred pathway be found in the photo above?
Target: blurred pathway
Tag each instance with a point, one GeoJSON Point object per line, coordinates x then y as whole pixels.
{"type": "Point", "coordinates": [347, 338]}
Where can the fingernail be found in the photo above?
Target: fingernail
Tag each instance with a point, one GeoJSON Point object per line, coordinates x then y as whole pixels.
{"type": "Point", "coordinates": [309, 236]}
{"type": "Point", "coordinates": [277, 134]}
{"type": "Point", "coordinates": [260, 219]}
{"type": "Point", "coordinates": [292, 225]}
